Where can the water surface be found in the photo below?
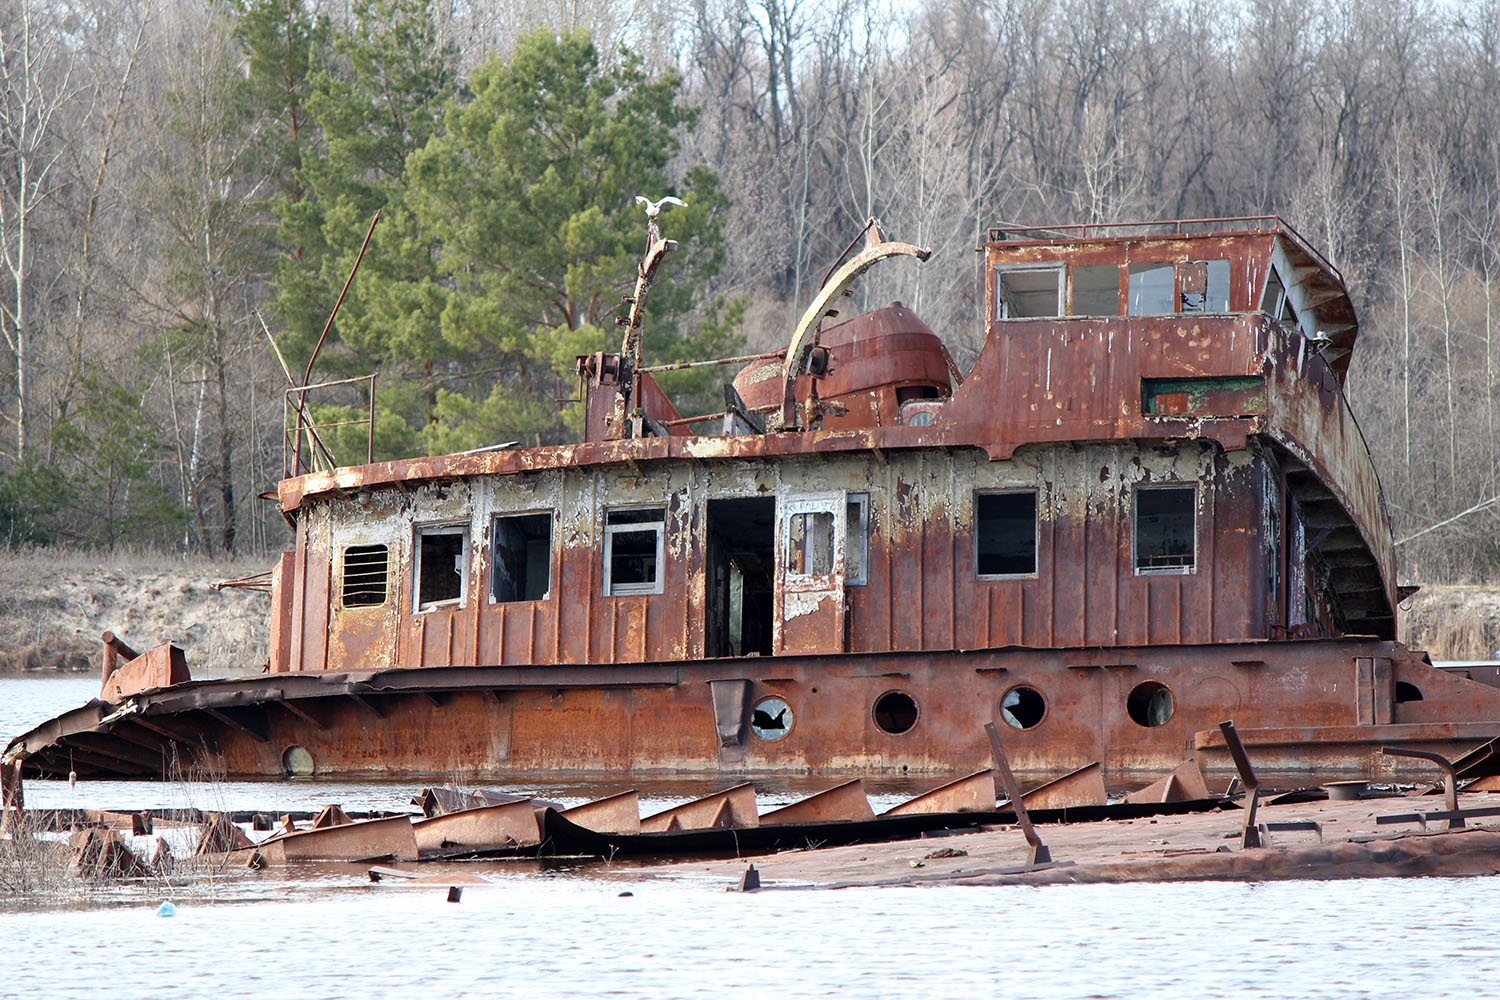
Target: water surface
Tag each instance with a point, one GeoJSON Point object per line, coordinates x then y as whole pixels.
{"type": "Point", "coordinates": [564, 929]}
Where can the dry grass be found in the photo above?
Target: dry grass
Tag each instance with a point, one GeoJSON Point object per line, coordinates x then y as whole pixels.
{"type": "Point", "coordinates": [57, 602]}
{"type": "Point", "coordinates": [1453, 622]}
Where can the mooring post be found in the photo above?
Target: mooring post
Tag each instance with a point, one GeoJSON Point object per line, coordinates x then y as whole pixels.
{"type": "Point", "coordinates": [1038, 853]}
{"type": "Point", "coordinates": [1250, 833]}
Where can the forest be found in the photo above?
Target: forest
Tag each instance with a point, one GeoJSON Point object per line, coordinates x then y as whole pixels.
{"type": "Point", "coordinates": [186, 185]}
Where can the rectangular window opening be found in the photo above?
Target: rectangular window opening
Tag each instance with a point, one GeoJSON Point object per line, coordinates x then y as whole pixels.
{"type": "Point", "coordinates": [1151, 289]}
{"type": "Point", "coordinates": [857, 539]}
{"type": "Point", "coordinates": [633, 550]}
{"type": "Point", "coordinates": [1096, 290]}
{"type": "Point", "coordinates": [366, 576]}
{"type": "Point", "coordinates": [1005, 527]}
{"type": "Point", "coordinates": [1028, 292]}
{"type": "Point", "coordinates": [522, 568]}
{"type": "Point", "coordinates": [1165, 530]}
{"type": "Point", "coordinates": [1204, 286]}
{"type": "Point", "coordinates": [810, 543]}
{"type": "Point", "coordinates": [442, 569]}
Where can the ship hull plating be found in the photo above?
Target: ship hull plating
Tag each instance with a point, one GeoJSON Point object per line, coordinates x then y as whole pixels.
{"type": "Point", "coordinates": [1321, 707]}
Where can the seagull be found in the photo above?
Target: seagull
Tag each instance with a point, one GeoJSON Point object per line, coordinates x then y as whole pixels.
{"type": "Point", "coordinates": [653, 208]}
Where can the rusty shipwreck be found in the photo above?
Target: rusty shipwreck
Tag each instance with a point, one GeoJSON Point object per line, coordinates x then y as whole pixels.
{"type": "Point", "coordinates": [1146, 508]}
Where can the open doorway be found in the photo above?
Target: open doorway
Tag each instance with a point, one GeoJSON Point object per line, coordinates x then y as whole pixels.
{"type": "Point", "coordinates": [741, 562]}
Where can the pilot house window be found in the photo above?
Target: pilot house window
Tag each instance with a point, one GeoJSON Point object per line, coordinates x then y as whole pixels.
{"type": "Point", "coordinates": [365, 575]}
{"type": "Point", "coordinates": [442, 573]}
{"type": "Point", "coordinates": [1164, 529]}
{"type": "Point", "coordinates": [522, 558]}
{"type": "Point", "coordinates": [1029, 291]}
{"type": "Point", "coordinates": [633, 550]}
{"type": "Point", "coordinates": [1004, 534]}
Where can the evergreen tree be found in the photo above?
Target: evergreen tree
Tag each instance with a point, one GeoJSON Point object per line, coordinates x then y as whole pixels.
{"type": "Point", "coordinates": [527, 199]}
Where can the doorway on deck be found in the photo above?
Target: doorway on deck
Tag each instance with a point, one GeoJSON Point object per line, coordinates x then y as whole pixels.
{"type": "Point", "coordinates": [741, 555]}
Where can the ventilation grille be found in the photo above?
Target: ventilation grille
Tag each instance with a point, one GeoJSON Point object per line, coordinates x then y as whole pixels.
{"type": "Point", "coordinates": [365, 572]}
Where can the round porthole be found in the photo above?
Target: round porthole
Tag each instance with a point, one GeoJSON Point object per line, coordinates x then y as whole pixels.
{"type": "Point", "coordinates": [1023, 707]}
{"type": "Point", "coordinates": [1150, 704]}
{"type": "Point", "coordinates": [297, 762]}
{"type": "Point", "coordinates": [771, 718]}
{"type": "Point", "coordinates": [895, 712]}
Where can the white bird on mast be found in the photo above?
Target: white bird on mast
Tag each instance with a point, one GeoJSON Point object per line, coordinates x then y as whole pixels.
{"type": "Point", "coordinates": [653, 208]}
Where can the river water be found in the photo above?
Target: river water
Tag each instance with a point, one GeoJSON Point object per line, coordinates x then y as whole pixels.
{"type": "Point", "coordinates": [565, 929]}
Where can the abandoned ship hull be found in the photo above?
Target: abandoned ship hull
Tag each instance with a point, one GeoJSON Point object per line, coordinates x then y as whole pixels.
{"type": "Point", "coordinates": [1322, 707]}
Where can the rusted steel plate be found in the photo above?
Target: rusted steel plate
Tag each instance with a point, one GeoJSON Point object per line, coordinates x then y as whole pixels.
{"type": "Point", "coordinates": [1083, 787]}
{"type": "Point", "coordinates": [158, 667]}
{"type": "Point", "coordinates": [731, 808]}
{"type": "Point", "coordinates": [661, 717]}
{"type": "Point", "coordinates": [972, 793]}
{"type": "Point", "coordinates": [511, 824]}
{"type": "Point", "coordinates": [362, 840]}
{"type": "Point", "coordinates": [841, 803]}
{"type": "Point", "coordinates": [1184, 784]}
{"type": "Point", "coordinates": [620, 813]}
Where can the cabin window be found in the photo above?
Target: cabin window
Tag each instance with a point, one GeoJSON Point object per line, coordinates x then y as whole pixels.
{"type": "Point", "coordinates": [857, 539]}
{"type": "Point", "coordinates": [522, 568]}
{"type": "Point", "coordinates": [1271, 300]}
{"type": "Point", "coordinates": [366, 574]}
{"type": "Point", "coordinates": [1204, 286]}
{"type": "Point", "coordinates": [1096, 290]}
{"type": "Point", "coordinates": [1005, 529]}
{"type": "Point", "coordinates": [634, 542]}
{"type": "Point", "coordinates": [442, 572]}
{"type": "Point", "coordinates": [810, 543]}
{"type": "Point", "coordinates": [1029, 291]}
{"type": "Point", "coordinates": [1151, 289]}
{"type": "Point", "coordinates": [1165, 532]}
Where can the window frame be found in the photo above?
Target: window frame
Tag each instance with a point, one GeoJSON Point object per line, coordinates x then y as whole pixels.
{"type": "Point", "coordinates": [495, 518]}
{"type": "Point", "coordinates": [1135, 531]}
{"type": "Point", "coordinates": [1073, 311]}
{"type": "Point", "coordinates": [862, 540]}
{"type": "Point", "coordinates": [1059, 270]}
{"type": "Point", "coordinates": [656, 586]}
{"type": "Point", "coordinates": [344, 575]}
{"type": "Point", "coordinates": [1036, 532]}
{"type": "Point", "coordinates": [420, 531]}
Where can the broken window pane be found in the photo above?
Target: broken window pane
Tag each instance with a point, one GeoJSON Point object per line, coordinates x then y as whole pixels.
{"type": "Point", "coordinates": [522, 568]}
{"type": "Point", "coordinates": [1205, 286]}
{"type": "Point", "coordinates": [810, 548]}
{"type": "Point", "coordinates": [1096, 290]}
{"type": "Point", "coordinates": [1032, 291]}
{"type": "Point", "coordinates": [856, 538]}
{"type": "Point", "coordinates": [1164, 529]}
{"type": "Point", "coordinates": [365, 573]}
{"type": "Point", "coordinates": [1004, 534]}
{"type": "Point", "coordinates": [1151, 289]}
{"type": "Point", "coordinates": [441, 571]}
{"type": "Point", "coordinates": [633, 550]}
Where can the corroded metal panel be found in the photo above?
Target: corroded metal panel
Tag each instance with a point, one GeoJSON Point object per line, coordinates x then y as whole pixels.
{"type": "Point", "coordinates": [508, 824]}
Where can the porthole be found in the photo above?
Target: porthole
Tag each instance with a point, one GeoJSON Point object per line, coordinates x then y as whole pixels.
{"type": "Point", "coordinates": [1023, 707]}
{"type": "Point", "coordinates": [771, 719]}
{"type": "Point", "coordinates": [895, 712]}
{"type": "Point", "coordinates": [1150, 704]}
{"type": "Point", "coordinates": [297, 762]}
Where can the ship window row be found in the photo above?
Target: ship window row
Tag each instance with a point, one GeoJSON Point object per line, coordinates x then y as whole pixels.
{"type": "Point", "coordinates": [1153, 288]}
{"type": "Point", "coordinates": [1006, 533]}
{"type": "Point", "coordinates": [1164, 532]}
